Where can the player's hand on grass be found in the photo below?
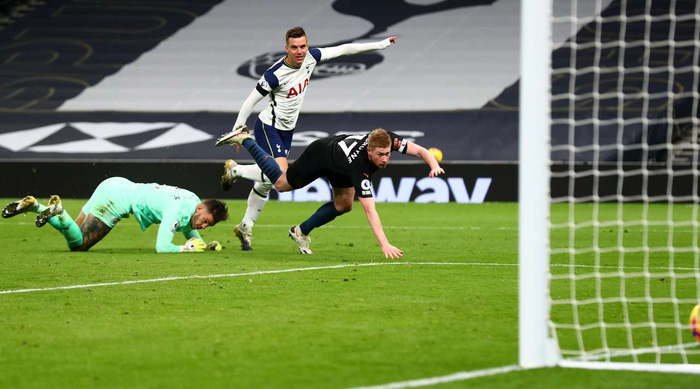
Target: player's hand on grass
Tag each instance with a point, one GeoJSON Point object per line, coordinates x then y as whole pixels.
{"type": "Point", "coordinates": [391, 252]}
{"type": "Point", "coordinates": [436, 172]}
{"type": "Point", "coordinates": [213, 246]}
{"type": "Point", "coordinates": [193, 245]}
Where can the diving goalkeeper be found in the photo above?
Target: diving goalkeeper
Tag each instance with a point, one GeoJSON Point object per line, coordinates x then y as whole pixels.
{"type": "Point", "coordinates": [175, 209]}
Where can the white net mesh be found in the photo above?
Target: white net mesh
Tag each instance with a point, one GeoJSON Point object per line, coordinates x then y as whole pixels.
{"type": "Point", "coordinates": [624, 254]}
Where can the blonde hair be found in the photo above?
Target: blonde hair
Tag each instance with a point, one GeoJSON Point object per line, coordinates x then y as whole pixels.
{"type": "Point", "coordinates": [378, 138]}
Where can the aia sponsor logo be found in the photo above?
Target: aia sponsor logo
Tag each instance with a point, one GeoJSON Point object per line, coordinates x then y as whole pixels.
{"type": "Point", "coordinates": [293, 91]}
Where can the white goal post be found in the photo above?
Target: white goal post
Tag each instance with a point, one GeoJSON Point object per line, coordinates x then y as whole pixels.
{"type": "Point", "coordinates": [609, 256]}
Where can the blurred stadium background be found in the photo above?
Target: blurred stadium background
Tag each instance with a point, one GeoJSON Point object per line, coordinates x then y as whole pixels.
{"type": "Point", "coordinates": [142, 88]}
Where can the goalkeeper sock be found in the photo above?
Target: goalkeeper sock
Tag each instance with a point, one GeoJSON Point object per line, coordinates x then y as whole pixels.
{"type": "Point", "coordinates": [64, 224]}
{"type": "Point", "coordinates": [324, 215]}
{"type": "Point", "coordinates": [264, 160]}
{"type": "Point", "coordinates": [256, 202]}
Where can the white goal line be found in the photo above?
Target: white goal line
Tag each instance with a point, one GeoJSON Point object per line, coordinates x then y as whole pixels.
{"type": "Point", "coordinates": [461, 376]}
{"type": "Point", "coordinates": [669, 349]}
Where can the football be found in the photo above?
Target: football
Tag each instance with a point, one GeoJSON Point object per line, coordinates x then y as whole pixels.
{"type": "Point", "coordinates": [695, 322]}
{"type": "Point", "coordinates": [437, 153]}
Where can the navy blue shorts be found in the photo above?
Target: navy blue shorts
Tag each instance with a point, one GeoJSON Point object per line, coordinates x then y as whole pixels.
{"type": "Point", "coordinates": [275, 142]}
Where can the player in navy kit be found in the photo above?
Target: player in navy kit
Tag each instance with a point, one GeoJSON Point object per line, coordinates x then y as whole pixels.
{"type": "Point", "coordinates": [285, 83]}
{"type": "Point", "coordinates": [347, 161]}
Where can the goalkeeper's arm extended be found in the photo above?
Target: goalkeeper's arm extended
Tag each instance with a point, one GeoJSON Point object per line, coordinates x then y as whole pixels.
{"type": "Point", "coordinates": [211, 246]}
{"type": "Point", "coordinates": [193, 245]}
{"type": "Point", "coordinates": [196, 245]}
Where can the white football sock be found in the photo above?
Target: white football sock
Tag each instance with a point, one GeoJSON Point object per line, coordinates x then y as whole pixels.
{"type": "Point", "coordinates": [250, 172]}
{"type": "Point", "coordinates": [256, 202]}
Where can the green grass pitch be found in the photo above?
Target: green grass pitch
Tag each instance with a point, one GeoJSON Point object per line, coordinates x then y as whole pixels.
{"type": "Point", "coordinates": [450, 305]}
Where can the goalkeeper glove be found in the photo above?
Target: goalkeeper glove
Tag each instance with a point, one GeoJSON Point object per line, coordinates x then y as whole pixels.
{"type": "Point", "coordinates": [213, 246]}
{"type": "Point", "coordinates": [193, 245]}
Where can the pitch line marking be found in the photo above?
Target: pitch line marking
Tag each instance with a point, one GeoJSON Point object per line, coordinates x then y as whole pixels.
{"type": "Point", "coordinates": [192, 277]}
{"type": "Point", "coordinates": [279, 271]}
{"type": "Point", "coordinates": [461, 376]}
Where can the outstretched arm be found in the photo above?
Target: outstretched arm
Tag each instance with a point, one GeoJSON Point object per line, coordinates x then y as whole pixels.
{"type": "Point", "coordinates": [376, 224]}
{"type": "Point", "coordinates": [354, 48]}
{"type": "Point", "coordinates": [421, 152]}
{"type": "Point", "coordinates": [164, 241]}
{"type": "Point", "coordinates": [194, 235]}
{"type": "Point", "coordinates": [166, 233]}
{"type": "Point", "coordinates": [247, 108]}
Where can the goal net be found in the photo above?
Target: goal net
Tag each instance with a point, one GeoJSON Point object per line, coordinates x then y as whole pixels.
{"type": "Point", "coordinates": [609, 251]}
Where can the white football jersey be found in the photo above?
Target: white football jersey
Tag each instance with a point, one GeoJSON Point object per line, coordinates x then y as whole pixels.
{"type": "Point", "coordinates": [286, 87]}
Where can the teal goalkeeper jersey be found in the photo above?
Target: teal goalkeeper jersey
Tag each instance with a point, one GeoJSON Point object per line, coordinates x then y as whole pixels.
{"type": "Point", "coordinates": [168, 206]}
{"type": "Point", "coordinates": [116, 198]}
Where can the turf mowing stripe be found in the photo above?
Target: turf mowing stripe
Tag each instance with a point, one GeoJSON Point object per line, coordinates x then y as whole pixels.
{"type": "Point", "coordinates": [285, 226]}
{"type": "Point", "coordinates": [447, 228]}
{"type": "Point", "coordinates": [226, 275]}
{"type": "Point", "coordinates": [461, 376]}
{"type": "Point", "coordinates": [10, 291]}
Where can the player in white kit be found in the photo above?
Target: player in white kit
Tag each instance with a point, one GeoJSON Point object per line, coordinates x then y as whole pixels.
{"type": "Point", "coordinates": [285, 82]}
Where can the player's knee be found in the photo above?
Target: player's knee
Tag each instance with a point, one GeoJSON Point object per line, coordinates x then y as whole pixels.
{"type": "Point", "coordinates": [283, 186]}
{"type": "Point", "coordinates": [343, 207]}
